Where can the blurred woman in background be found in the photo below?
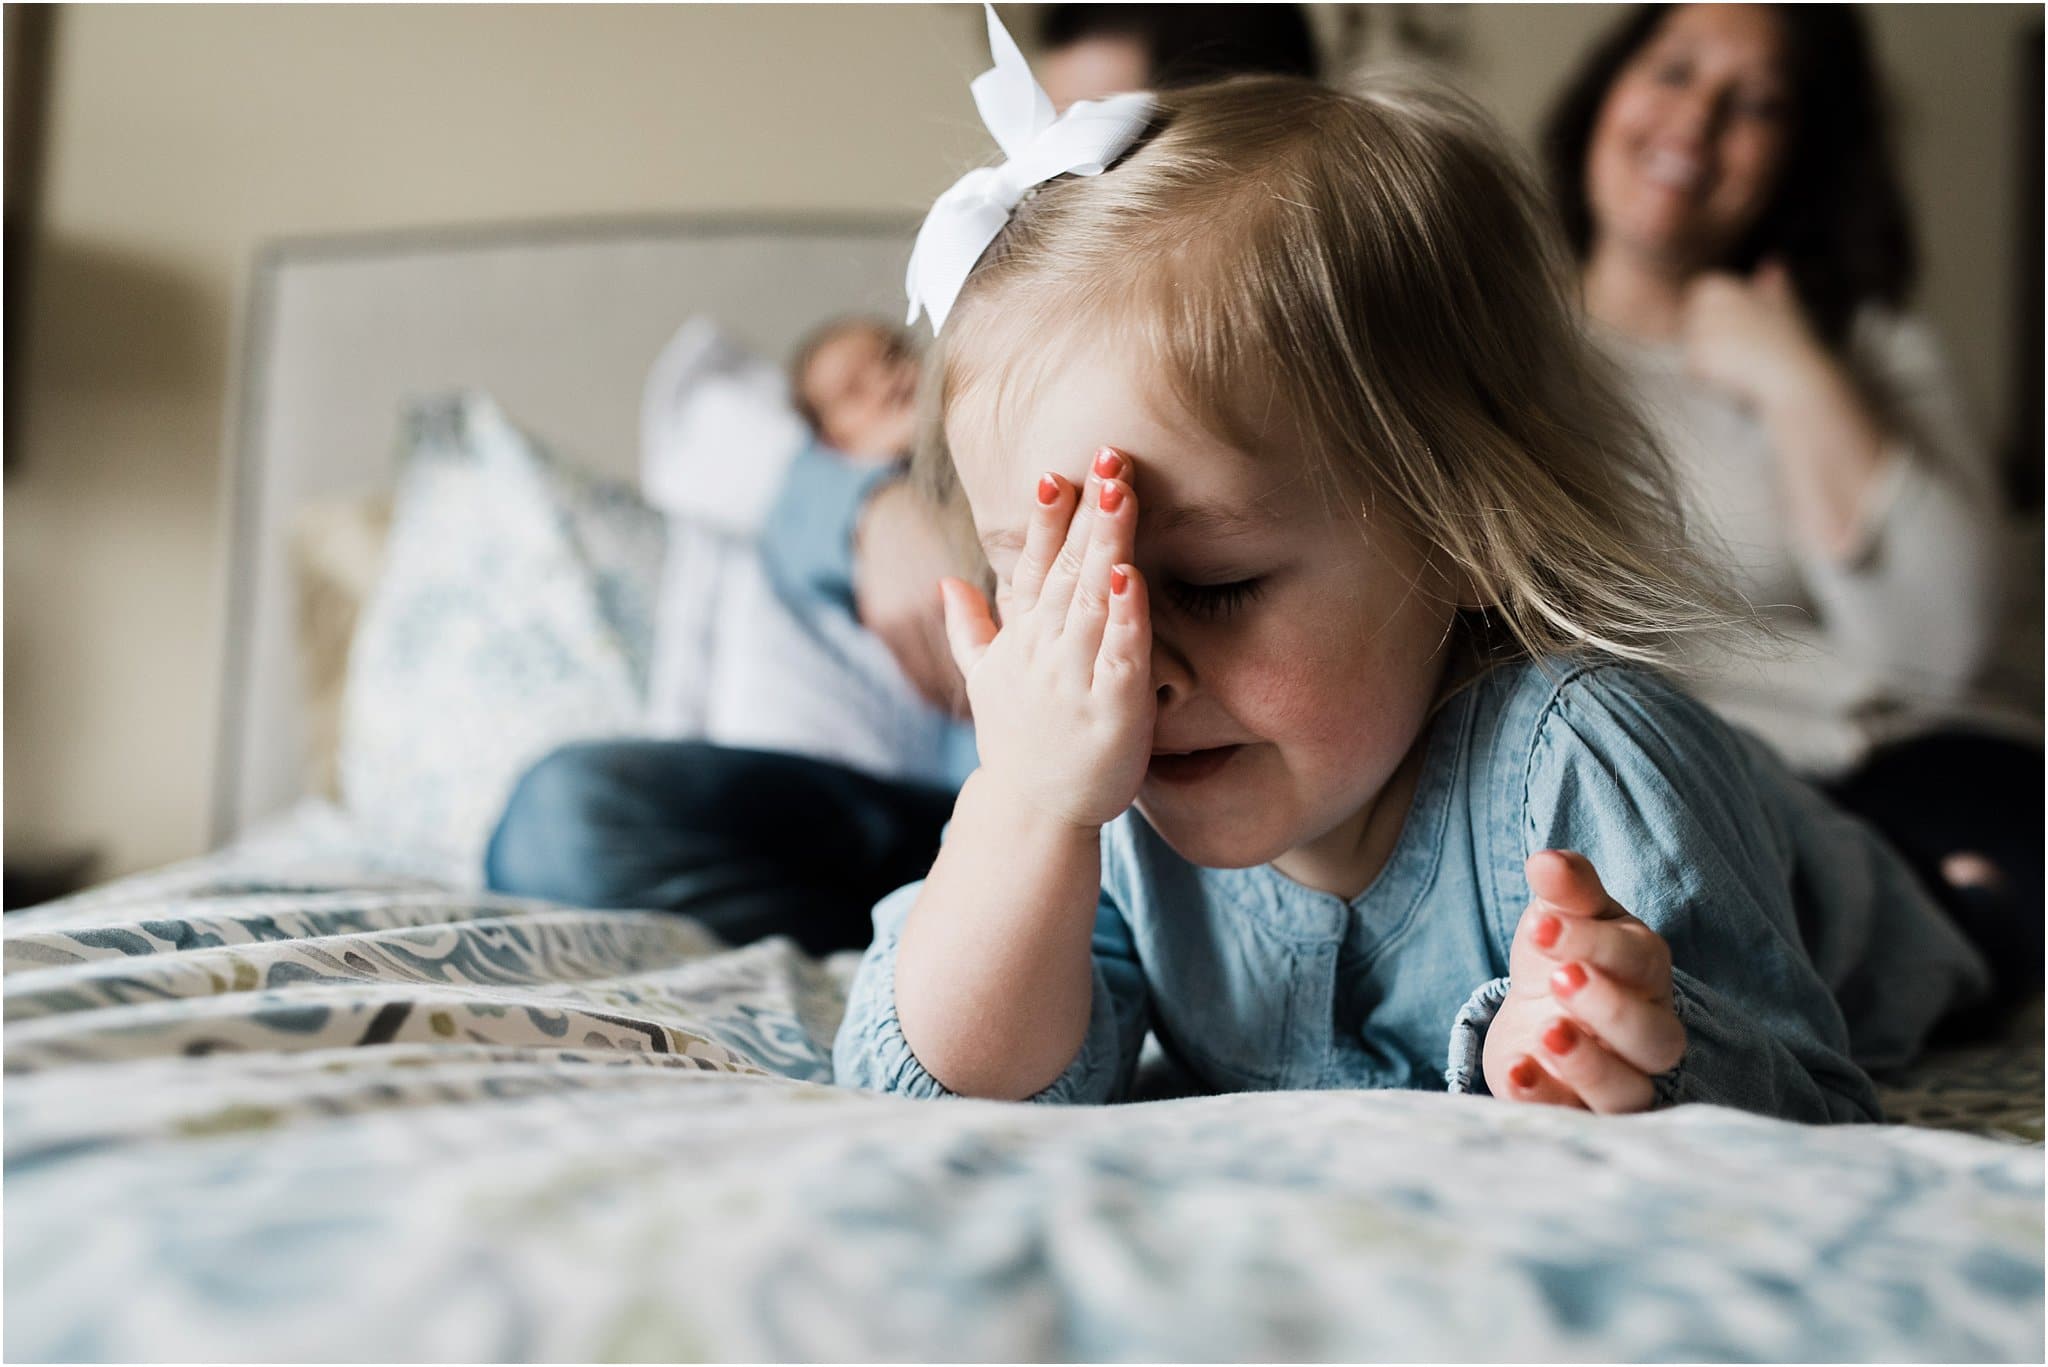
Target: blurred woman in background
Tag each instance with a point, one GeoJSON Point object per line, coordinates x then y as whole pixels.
{"type": "Point", "coordinates": [1725, 181]}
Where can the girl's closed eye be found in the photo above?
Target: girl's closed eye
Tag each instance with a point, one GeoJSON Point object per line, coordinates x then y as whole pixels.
{"type": "Point", "coordinates": [1210, 601]}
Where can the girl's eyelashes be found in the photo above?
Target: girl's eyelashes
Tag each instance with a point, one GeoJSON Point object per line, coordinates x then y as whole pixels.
{"type": "Point", "coordinates": [1208, 601]}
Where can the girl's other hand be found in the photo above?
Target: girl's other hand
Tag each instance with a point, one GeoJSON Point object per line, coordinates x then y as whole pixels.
{"type": "Point", "coordinates": [1589, 1018]}
{"type": "Point", "coordinates": [1062, 692]}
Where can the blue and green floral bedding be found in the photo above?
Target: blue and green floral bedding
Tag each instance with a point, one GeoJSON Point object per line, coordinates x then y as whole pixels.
{"type": "Point", "coordinates": [293, 1103]}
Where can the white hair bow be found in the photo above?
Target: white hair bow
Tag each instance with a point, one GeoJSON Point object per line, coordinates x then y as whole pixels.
{"type": "Point", "coordinates": [964, 220]}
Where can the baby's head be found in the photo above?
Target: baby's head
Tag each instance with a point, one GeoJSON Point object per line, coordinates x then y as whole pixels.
{"type": "Point", "coordinates": [854, 380]}
{"type": "Point", "coordinates": [1334, 334]}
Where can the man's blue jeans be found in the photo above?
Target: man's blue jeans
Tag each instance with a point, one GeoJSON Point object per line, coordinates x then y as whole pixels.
{"type": "Point", "coordinates": [750, 842]}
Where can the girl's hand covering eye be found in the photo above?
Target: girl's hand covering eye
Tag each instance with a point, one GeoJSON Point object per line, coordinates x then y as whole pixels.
{"type": "Point", "coordinates": [1589, 1019]}
{"type": "Point", "coordinates": [1061, 693]}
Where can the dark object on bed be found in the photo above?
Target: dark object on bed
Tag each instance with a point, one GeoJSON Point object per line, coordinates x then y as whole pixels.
{"type": "Point", "coordinates": [1955, 803]}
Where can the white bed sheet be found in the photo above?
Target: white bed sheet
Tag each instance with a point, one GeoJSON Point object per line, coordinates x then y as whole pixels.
{"type": "Point", "coordinates": [294, 1101]}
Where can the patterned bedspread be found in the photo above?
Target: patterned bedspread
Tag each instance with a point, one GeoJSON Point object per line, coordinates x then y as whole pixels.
{"type": "Point", "coordinates": [288, 1104]}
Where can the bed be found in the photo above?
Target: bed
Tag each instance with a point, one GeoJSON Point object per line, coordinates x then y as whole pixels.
{"type": "Point", "coordinates": [315, 1096]}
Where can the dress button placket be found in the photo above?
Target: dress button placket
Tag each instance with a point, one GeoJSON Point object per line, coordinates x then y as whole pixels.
{"type": "Point", "coordinates": [1311, 1012]}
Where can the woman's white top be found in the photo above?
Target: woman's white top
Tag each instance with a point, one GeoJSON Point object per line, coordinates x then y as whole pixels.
{"type": "Point", "coordinates": [1896, 638]}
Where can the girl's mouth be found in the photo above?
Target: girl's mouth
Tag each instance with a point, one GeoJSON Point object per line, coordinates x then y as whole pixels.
{"type": "Point", "coordinates": [1190, 766]}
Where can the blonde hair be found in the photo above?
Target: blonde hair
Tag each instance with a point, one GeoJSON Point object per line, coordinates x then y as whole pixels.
{"type": "Point", "coordinates": [1378, 272]}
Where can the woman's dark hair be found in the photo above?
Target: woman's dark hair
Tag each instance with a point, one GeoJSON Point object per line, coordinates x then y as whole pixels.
{"type": "Point", "coordinates": [1837, 217]}
{"type": "Point", "coordinates": [1189, 44]}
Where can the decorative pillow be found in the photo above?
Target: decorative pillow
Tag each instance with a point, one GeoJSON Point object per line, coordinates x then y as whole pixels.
{"type": "Point", "coordinates": [513, 616]}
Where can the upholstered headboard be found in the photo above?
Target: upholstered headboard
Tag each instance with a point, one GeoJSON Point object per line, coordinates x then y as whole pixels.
{"type": "Point", "coordinates": [559, 322]}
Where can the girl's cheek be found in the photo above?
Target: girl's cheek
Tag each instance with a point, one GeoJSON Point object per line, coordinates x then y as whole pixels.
{"type": "Point", "coordinates": [1283, 693]}
{"type": "Point", "coordinates": [1320, 682]}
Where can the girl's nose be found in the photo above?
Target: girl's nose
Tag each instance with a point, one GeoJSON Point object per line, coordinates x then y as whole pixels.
{"type": "Point", "coordinates": [1172, 678]}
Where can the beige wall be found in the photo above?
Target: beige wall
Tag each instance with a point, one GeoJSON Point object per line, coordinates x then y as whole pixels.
{"type": "Point", "coordinates": [182, 137]}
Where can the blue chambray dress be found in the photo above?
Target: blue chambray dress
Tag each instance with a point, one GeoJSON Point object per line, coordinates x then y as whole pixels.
{"type": "Point", "coordinates": [1804, 951]}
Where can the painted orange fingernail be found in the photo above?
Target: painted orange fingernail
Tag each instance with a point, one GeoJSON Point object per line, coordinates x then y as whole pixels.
{"type": "Point", "coordinates": [1112, 497]}
{"type": "Point", "coordinates": [1546, 931]}
{"type": "Point", "coordinates": [1048, 490]}
{"type": "Point", "coordinates": [1108, 462]}
{"type": "Point", "coordinates": [1524, 1074]}
{"type": "Point", "coordinates": [1560, 1038]}
{"type": "Point", "coordinates": [1119, 582]}
{"type": "Point", "coordinates": [1568, 980]}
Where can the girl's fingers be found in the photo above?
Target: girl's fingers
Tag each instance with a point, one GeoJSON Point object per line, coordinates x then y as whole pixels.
{"type": "Point", "coordinates": [1109, 545]}
{"type": "Point", "coordinates": [969, 628]}
{"type": "Point", "coordinates": [1051, 513]}
{"type": "Point", "coordinates": [1527, 1080]}
{"type": "Point", "coordinates": [1606, 1084]}
{"type": "Point", "coordinates": [1125, 658]}
{"type": "Point", "coordinates": [1064, 571]}
{"type": "Point", "coordinates": [1568, 883]}
{"type": "Point", "coordinates": [1645, 1032]}
{"type": "Point", "coordinates": [1624, 948]}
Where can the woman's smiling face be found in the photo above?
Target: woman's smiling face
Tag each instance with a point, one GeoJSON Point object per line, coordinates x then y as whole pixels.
{"type": "Point", "coordinates": [1304, 645]}
{"type": "Point", "coordinates": [1687, 148]}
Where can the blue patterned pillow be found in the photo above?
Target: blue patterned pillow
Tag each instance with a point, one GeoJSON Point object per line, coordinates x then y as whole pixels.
{"type": "Point", "coordinates": [513, 614]}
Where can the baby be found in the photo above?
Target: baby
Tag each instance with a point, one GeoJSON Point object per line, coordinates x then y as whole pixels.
{"type": "Point", "coordinates": [854, 381]}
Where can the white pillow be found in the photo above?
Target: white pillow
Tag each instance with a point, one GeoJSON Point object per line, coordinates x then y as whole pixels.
{"type": "Point", "coordinates": [811, 682]}
{"type": "Point", "coordinates": [717, 431]}
{"type": "Point", "coordinates": [513, 616]}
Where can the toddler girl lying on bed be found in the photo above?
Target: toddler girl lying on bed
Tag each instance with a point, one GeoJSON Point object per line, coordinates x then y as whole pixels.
{"type": "Point", "coordinates": [1317, 533]}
